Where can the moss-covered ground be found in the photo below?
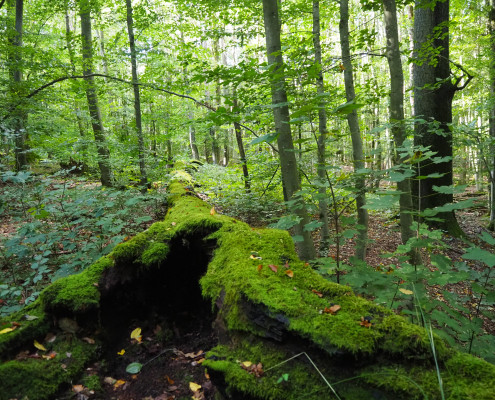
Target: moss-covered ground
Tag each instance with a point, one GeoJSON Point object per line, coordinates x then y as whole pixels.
{"type": "Point", "coordinates": [270, 305]}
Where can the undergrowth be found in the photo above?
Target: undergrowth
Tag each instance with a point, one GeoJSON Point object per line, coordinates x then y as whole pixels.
{"type": "Point", "coordinates": [62, 225]}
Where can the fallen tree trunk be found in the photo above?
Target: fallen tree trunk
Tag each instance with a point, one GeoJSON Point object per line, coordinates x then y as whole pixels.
{"type": "Point", "coordinates": [284, 331]}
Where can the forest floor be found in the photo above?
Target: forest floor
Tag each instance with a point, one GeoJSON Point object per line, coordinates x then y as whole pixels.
{"type": "Point", "coordinates": [171, 369]}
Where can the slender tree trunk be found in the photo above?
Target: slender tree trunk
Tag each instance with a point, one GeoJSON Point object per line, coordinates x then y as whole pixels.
{"type": "Point", "coordinates": [433, 95]}
{"type": "Point", "coordinates": [288, 163]}
{"type": "Point", "coordinates": [322, 135]}
{"type": "Point", "coordinates": [491, 25]}
{"type": "Point", "coordinates": [69, 38]}
{"type": "Point", "coordinates": [192, 137]}
{"type": "Point", "coordinates": [357, 142]}
{"type": "Point", "coordinates": [397, 119]}
{"type": "Point", "coordinates": [19, 114]}
{"type": "Point", "coordinates": [240, 145]}
{"type": "Point", "coordinates": [94, 110]}
{"type": "Point", "coordinates": [137, 99]}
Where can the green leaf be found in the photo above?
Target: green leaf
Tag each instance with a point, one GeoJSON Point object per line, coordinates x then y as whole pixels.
{"type": "Point", "coordinates": [312, 226]}
{"type": "Point", "coordinates": [269, 137]}
{"type": "Point", "coordinates": [134, 368]}
{"type": "Point", "coordinates": [450, 189]}
{"type": "Point", "coordinates": [347, 108]}
{"type": "Point", "coordinates": [477, 254]}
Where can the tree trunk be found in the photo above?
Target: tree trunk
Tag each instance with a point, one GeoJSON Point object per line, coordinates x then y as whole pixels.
{"type": "Point", "coordinates": [94, 110]}
{"type": "Point", "coordinates": [69, 36]}
{"type": "Point", "coordinates": [137, 99]}
{"type": "Point", "coordinates": [19, 114]}
{"type": "Point", "coordinates": [357, 142]}
{"type": "Point", "coordinates": [397, 120]}
{"type": "Point", "coordinates": [491, 25]}
{"type": "Point", "coordinates": [322, 135]}
{"type": "Point", "coordinates": [288, 163]}
{"type": "Point", "coordinates": [240, 145]}
{"type": "Point", "coordinates": [433, 95]}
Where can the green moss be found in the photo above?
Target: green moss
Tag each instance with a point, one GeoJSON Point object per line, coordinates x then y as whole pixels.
{"type": "Point", "coordinates": [37, 324]}
{"type": "Point", "coordinates": [78, 293]}
{"type": "Point", "coordinates": [154, 254]}
{"type": "Point", "coordinates": [41, 379]}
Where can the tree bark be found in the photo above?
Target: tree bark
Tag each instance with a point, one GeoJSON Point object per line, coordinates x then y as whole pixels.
{"type": "Point", "coordinates": [322, 135]}
{"type": "Point", "coordinates": [137, 99]}
{"type": "Point", "coordinates": [491, 27]}
{"type": "Point", "coordinates": [80, 124]}
{"type": "Point", "coordinates": [397, 120]}
{"type": "Point", "coordinates": [357, 142]}
{"type": "Point", "coordinates": [288, 163]}
{"type": "Point", "coordinates": [19, 114]}
{"type": "Point", "coordinates": [433, 96]}
{"type": "Point", "coordinates": [240, 145]}
{"type": "Point", "coordinates": [94, 110]}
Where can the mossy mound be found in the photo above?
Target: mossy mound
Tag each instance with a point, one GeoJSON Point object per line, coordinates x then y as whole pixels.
{"type": "Point", "coordinates": [315, 339]}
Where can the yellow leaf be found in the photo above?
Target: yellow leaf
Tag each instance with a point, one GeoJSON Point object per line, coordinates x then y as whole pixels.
{"type": "Point", "coordinates": [247, 364]}
{"type": "Point", "coordinates": [78, 388]}
{"type": "Point", "coordinates": [289, 273]}
{"type": "Point", "coordinates": [405, 291]}
{"type": "Point", "coordinates": [136, 334]}
{"type": "Point", "coordinates": [121, 352]}
{"type": "Point", "coordinates": [213, 211]}
{"type": "Point", "coordinates": [194, 386]}
{"type": "Point", "coordinates": [119, 383]}
{"type": "Point", "coordinates": [6, 330]}
{"type": "Point", "coordinates": [39, 346]}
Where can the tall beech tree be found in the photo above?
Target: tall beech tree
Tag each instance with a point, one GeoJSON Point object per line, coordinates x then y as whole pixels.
{"type": "Point", "coordinates": [19, 114]}
{"type": "Point", "coordinates": [491, 120]}
{"type": "Point", "coordinates": [322, 133]}
{"type": "Point", "coordinates": [357, 141]}
{"type": "Point", "coordinates": [137, 98]}
{"type": "Point", "coordinates": [91, 95]}
{"type": "Point", "coordinates": [288, 163]}
{"type": "Point", "coordinates": [434, 90]}
{"type": "Point", "coordinates": [397, 118]}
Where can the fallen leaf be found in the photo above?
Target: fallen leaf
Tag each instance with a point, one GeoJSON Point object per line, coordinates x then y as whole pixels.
{"type": "Point", "coordinates": [194, 386]}
{"type": "Point", "coordinates": [88, 340]}
{"type": "Point", "coordinates": [169, 380]}
{"type": "Point", "coordinates": [332, 309]}
{"type": "Point", "coordinates": [15, 324]}
{"type": "Point", "coordinates": [366, 322]}
{"type": "Point", "coordinates": [136, 335]}
{"type": "Point", "coordinates": [259, 267]}
{"type": "Point", "coordinates": [134, 368]}
{"type": "Point", "coordinates": [289, 273]}
{"type": "Point", "coordinates": [121, 352]}
{"type": "Point", "coordinates": [6, 330]}
{"type": "Point", "coordinates": [173, 223]}
{"type": "Point", "coordinates": [287, 265]}
{"type": "Point", "coordinates": [78, 388]}
{"type": "Point", "coordinates": [213, 211]}
{"type": "Point", "coordinates": [406, 291]}
{"type": "Point", "coordinates": [23, 355]}
{"type": "Point", "coordinates": [193, 355]}
{"type": "Point", "coordinates": [206, 375]}
{"type": "Point", "coordinates": [109, 380]}
{"type": "Point", "coordinates": [39, 346]}
{"type": "Point", "coordinates": [173, 388]}
{"type": "Point", "coordinates": [50, 356]}
{"type": "Point", "coordinates": [247, 364]}
{"type": "Point", "coordinates": [274, 268]}
{"type": "Point", "coordinates": [319, 294]}
{"type": "Point", "coordinates": [118, 383]}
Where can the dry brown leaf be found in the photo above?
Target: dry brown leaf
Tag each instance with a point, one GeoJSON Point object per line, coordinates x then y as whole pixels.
{"type": "Point", "coordinates": [259, 267]}
{"type": "Point", "coordinates": [274, 268]}
{"type": "Point", "coordinates": [169, 380]}
{"type": "Point", "coordinates": [50, 356]}
{"type": "Point", "coordinates": [319, 294]}
{"type": "Point", "coordinates": [109, 380]}
{"type": "Point", "coordinates": [332, 309]}
{"type": "Point", "coordinates": [88, 340]}
{"type": "Point", "coordinates": [289, 273]}
{"type": "Point", "coordinates": [78, 388]}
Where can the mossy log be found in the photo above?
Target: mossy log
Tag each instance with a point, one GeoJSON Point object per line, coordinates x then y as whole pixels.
{"type": "Point", "coordinates": [269, 308]}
